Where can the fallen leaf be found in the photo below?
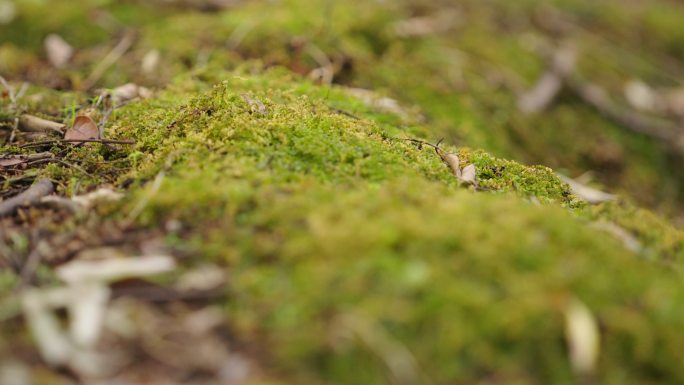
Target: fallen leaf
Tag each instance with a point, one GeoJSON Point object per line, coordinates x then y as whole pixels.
{"type": "Point", "coordinates": [582, 334]}
{"type": "Point", "coordinates": [255, 105]}
{"type": "Point", "coordinates": [7, 11]}
{"type": "Point", "coordinates": [150, 62]}
{"type": "Point", "coordinates": [641, 96]}
{"type": "Point", "coordinates": [468, 174]}
{"type": "Point", "coordinates": [380, 103]}
{"type": "Point", "coordinates": [130, 91]}
{"type": "Point", "coordinates": [84, 128]}
{"type": "Point", "coordinates": [93, 198]}
{"type": "Point", "coordinates": [587, 193]}
{"type": "Point", "coordinates": [428, 25]}
{"type": "Point", "coordinates": [58, 50]}
{"type": "Point", "coordinates": [203, 278]}
{"type": "Point", "coordinates": [628, 239]}
{"type": "Point", "coordinates": [452, 161]}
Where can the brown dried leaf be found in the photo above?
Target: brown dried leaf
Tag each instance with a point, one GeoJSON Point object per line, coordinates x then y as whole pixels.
{"type": "Point", "coordinates": [84, 128]}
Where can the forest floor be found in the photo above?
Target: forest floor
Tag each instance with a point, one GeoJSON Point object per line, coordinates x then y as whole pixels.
{"type": "Point", "coordinates": [317, 192]}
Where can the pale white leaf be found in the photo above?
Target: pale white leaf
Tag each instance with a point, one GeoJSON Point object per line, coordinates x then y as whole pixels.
{"type": "Point", "coordinates": [582, 335]}
{"type": "Point", "coordinates": [468, 174]}
{"type": "Point", "coordinates": [58, 51]}
{"type": "Point", "coordinates": [150, 61]}
{"type": "Point", "coordinates": [640, 96]}
{"type": "Point", "coordinates": [587, 193]}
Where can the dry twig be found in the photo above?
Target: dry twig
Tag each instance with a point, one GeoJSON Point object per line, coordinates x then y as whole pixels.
{"type": "Point", "coordinates": [38, 190]}
{"type": "Point", "coordinates": [112, 57]}
{"type": "Point", "coordinates": [103, 141]}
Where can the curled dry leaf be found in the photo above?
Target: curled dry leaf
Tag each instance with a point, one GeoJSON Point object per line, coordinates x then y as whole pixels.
{"type": "Point", "coordinates": [255, 105]}
{"type": "Point", "coordinates": [150, 62]}
{"type": "Point", "coordinates": [640, 96]}
{"type": "Point", "coordinates": [582, 334]}
{"type": "Point", "coordinates": [468, 174]}
{"type": "Point", "coordinates": [380, 103]}
{"type": "Point", "coordinates": [130, 91]}
{"type": "Point", "coordinates": [84, 128]}
{"type": "Point", "coordinates": [58, 50]}
{"type": "Point", "coordinates": [100, 195]}
{"type": "Point", "coordinates": [428, 25]}
{"type": "Point", "coordinates": [628, 239]}
{"type": "Point", "coordinates": [204, 278]}
{"type": "Point", "coordinates": [587, 193]}
{"type": "Point", "coordinates": [7, 11]}
{"type": "Point", "coordinates": [452, 161]}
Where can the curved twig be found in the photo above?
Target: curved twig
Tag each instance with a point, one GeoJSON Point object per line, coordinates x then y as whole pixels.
{"type": "Point", "coordinates": [38, 190]}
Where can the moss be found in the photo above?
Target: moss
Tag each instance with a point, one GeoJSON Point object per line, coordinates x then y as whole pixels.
{"type": "Point", "coordinates": [333, 229]}
{"type": "Point", "coordinates": [464, 79]}
{"type": "Point", "coordinates": [347, 244]}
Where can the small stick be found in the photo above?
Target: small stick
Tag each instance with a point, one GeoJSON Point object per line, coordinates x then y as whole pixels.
{"type": "Point", "coordinates": [597, 98]}
{"type": "Point", "coordinates": [30, 123]}
{"type": "Point", "coordinates": [103, 141]}
{"type": "Point", "coordinates": [112, 57]}
{"type": "Point", "coordinates": [435, 146]}
{"type": "Point", "coordinates": [38, 190]}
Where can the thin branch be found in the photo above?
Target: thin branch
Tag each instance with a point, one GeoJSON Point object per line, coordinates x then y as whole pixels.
{"type": "Point", "coordinates": [597, 98]}
{"type": "Point", "coordinates": [103, 141]}
{"type": "Point", "coordinates": [32, 195]}
{"type": "Point", "coordinates": [112, 57]}
{"type": "Point", "coordinates": [30, 123]}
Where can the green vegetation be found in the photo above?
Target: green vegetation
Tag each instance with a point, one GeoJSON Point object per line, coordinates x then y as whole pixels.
{"type": "Point", "coordinates": [349, 246]}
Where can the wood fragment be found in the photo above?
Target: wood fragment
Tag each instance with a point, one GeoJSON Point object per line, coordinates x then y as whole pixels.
{"type": "Point", "coordinates": [550, 83]}
{"type": "Point", "coordinates": [598, 98]}
{"type": "Point", "coordinates": [30, 123]}
{"type": "Point", "coordinates": [112, 57]}
{"type": "Point", "coordinates": [38, 190]}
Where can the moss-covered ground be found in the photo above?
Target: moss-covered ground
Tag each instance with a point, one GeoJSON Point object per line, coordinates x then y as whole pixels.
{"type": "Point", "coordinates": [354, 255]}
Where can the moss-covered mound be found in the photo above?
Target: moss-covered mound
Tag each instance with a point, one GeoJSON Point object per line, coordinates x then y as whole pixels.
{"type": "Point", "coordinates": [354, 254]}
{"type": "Point", "coordinates": [356, 257]}
{"type": "Point", "coordinates": [345, 244]}
{"type": "Point", "coordinates": [464, 64]}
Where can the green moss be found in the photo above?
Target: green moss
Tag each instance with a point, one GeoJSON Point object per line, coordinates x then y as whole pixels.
{"type": "Point", "coordinates": [342, 240]}
{"type": "Point", "coordinates": [347, 244]}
